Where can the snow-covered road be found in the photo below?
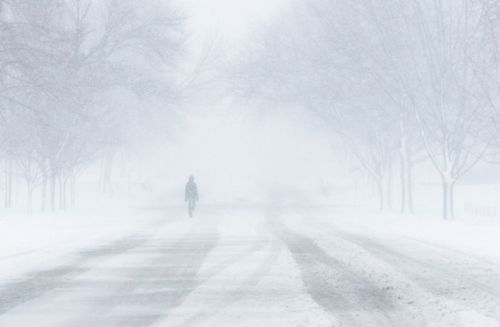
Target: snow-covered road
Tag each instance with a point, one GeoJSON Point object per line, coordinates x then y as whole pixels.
{"type": "Point", "coordinates": [257, 267]}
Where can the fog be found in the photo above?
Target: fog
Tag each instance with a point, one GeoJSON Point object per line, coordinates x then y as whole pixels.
{"type": "Point", "coordinates": [249, 163]}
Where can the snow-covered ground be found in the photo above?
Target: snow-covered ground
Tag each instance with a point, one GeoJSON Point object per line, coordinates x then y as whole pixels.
{"type": "Point", "coordinates": [249, 266]}
{"type": "Point", "coordinates": [34, 241]}
{"type": "Point", "coordinates": [405, 271]}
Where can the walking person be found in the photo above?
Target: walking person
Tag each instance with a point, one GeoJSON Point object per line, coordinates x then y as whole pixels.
{"type": "Point", "coordinates": [191, 195]}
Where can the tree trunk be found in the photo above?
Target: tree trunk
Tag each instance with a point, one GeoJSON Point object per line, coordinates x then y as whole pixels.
{"type": "Point", "coordinates": [129, 184]}
{"type": "Point", "coordinates": [73, 191]}
{"type": "Point", "coordinates": [101, 174]}
{"type": "Point", "coordinates": [381, 195]}
{"type": "Point", "coordinates": [30, 198]}
{"type": "Point", "coordinates": [64, 193]}
{"type": "Point", "coordinates": [405, 176]}
{"type": "Point", "coordinates": [106, 172]}
{"type": "Point", "coordinates": [404, 184]}
{"type": "Point", "coordinates": [44, 191]}
{"type": "Point", "coordinates": [8, 185]}
{"type": "Point", "coordinates": [389, 186]}
{"type": "Point", "coordinates": [6, 188]}
{"type": "Point", "coordinates": [355, 191]}
{"type": "Point", "coordinates": [409, 189]}
{"type": "Point", "coordinates": [61, 192]}
{"type": "Point", "coordinates": [53, 193]}
{"type": "Point", "coordinates": [448, 200]}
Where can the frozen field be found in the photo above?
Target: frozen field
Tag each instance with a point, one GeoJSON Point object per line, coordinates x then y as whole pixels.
{"type": "Point", "coordinates": [301, 266]}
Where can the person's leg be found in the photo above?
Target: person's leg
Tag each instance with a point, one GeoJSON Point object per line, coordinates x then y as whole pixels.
{"type": "Point", "coordinates": [191, 208]}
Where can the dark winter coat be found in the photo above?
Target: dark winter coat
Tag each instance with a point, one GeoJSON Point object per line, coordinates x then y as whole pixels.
{"type": "Point", "coordinates": [191, 191]}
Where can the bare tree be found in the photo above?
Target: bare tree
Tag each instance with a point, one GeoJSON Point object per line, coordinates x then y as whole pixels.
{"type": "Point", "coordinates": [320, 68]}
{"type": "Point", "coordinates": [451, 106]}
{"type": "Point", "coordinates": [421, 67]}
{"type": "Point", "coordinates": [59, 69]}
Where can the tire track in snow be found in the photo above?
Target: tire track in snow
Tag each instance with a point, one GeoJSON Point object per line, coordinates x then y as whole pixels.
{"type": "Point", "coordinates": [243, 286]}
{"type": "Point", "coordinates": [229, 261]}
{"type": "Point", "coordinates": [448, 276]}
{"type": "Point", "coordinates": [145, 294]}
{"type": "Point", "coordinates": [38, 283]}
{"type": "Point", "coordinates": [444, 296]}
{"type": "Point", "coordinates": [350, 298]}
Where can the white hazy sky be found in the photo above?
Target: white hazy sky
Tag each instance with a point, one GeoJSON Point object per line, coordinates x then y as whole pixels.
{"type": "Point", "coordinates": [228, 19]}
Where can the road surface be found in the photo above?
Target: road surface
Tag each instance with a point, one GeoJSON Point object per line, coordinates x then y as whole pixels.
{"type": "Point", "coordinates": [256, 267]}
